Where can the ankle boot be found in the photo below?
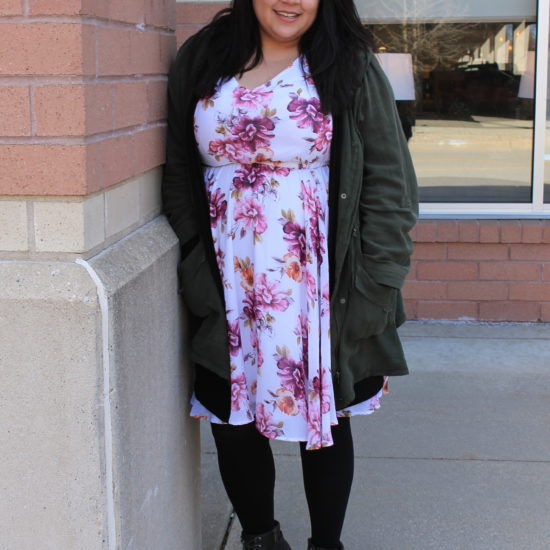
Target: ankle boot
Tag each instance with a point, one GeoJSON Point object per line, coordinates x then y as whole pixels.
{"type": "Point", "coordinates": [272, 540]}
{"type": "Point", "coordinates": [311, 547]}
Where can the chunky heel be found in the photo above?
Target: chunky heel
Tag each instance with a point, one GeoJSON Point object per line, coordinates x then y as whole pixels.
{"type": "Point", "coordinates": [272, 540]}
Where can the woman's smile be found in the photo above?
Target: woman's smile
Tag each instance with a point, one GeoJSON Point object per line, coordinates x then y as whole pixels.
{"type": "Point", "coordinates": [285, 21]}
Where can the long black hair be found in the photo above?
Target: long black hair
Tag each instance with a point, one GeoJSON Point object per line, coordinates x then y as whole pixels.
{"type": "Point", "coordinates": [333, 46]}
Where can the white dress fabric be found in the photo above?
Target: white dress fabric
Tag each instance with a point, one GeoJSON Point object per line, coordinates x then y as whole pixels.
{"type": "Point", "coordinates": [266, 155]}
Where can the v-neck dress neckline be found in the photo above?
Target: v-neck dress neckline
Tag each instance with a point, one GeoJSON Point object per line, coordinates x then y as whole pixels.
{"type": "Point", "coordinates": [267, 83]}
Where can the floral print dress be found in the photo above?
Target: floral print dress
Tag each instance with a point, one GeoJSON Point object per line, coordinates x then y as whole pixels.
{"type": "Point", "coordinates": [266, 158]}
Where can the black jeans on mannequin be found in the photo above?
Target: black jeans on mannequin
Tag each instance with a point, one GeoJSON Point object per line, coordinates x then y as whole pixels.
{"type": "Point", "coordinates": [248, 473]}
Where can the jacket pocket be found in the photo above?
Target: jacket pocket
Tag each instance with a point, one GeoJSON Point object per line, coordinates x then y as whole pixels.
{"type": "Point", "coordinates": [371, 306]}
{"type": "Point", "coordinates": [195, 282]}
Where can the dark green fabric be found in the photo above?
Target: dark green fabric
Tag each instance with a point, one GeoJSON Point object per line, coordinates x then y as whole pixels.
{"type": "Point", "coordinates": [373, 205]}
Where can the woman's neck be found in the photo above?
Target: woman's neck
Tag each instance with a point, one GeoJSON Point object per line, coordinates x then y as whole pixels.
{"type": "Point", "coordinates": [276, 52]}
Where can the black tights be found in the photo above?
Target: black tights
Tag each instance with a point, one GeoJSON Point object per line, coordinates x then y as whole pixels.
{"type": "Point", "coordinates": [248, 473]}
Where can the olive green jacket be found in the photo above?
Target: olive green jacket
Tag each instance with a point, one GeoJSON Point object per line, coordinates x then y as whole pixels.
{"type": "Point", "coordinates": [373, 205]}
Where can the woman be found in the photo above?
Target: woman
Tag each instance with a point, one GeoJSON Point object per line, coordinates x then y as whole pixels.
{"type": "Point", "coordinates": [291, 189]}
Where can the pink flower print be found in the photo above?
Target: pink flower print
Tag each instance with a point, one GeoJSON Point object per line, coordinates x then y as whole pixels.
{"type": "Point", "coordinates": [265, 424]}
{"type": "Point", "coordinates": [226, 148]}
{"type": "Point", "coordinates": [322, 391]}
{"type": "Point", "coordinates": [292, 267]}
{"type": "Point", "coordinates": [251, 307]}
{"type": "Point", "coordinates": [311, 286]}
{"type": "Point", "coordinates": [311, 201]}
{"type": "Point", "coordinates": [234, 337]}
{"type": "Point", "coordinates": [314, 440]}
{"type": "Point", "coordinates": [218, 207]}
{"type": "Point", "coordinates": [251, 99]}
{"type": "Point", "coordinates": [268, 295]}
{"type": "Point", "coordinates": [239, 394]}
{"type": "Point", "coordinates": [295, 235]}
{"type": "Point", "coordinates": [253, 133]}
{"type": "Point", "coordinates": [307, 112]}
{"type": "Point", "coordinates": [286, 402]}
{"type": "Point", "coordinates": [276, 170]}
{"type": "Point", "coordinates": [250, 176]}
{"type": "Point", "coordinates": [302, 331]}
{"type": "Point", "coordinates": [325, 301]}
{"type": "Point", "coordinates": [292, 376]}
{"type": "Point", "coordinates": [317, 239]}
{"type": "Point", "coordinates": [324, 137]}
{"type": "Point", "coordinates": [251, 212]}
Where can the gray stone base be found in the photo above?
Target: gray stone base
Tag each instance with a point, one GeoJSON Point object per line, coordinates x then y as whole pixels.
{"type": "Point", "coordinates": [98, 450]}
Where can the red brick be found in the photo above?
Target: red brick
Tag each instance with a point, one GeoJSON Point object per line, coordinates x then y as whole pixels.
{"type": "Point", "coordinates": [43, 170]}
{"type": "Point", "coordinates": [149, 149]}
{"type": "Point", "coordinates": [447, 271]}
{"type": "Point", "coordinates": [198, 13]}
{"type": "Point", "coordinates": [159, 12]}
{"type": "Point", "coordinates": [60, 110]}
{"type": "Point", "coordinates": [98, 8]}
{"type": "Point", "coordinates": [145, 55]}
{"type": "Point", "coordinates": [510, 231]}
{"type": "Point", "coordinates": [99, 108]}
{"type": "Point", "coordinates": [15, 111]}
{"type": "Point", "coordinates": [411, 275]}
{"type": "Point", "coordinates": [114, 51]}
{"type": "Point", "coordinates": [118, 159]}
{"type": "Point", "coordinates": [11, 7]}
{"type": "Point", "coordinates": [536, 292]}
{"type": "Point", "coordinates": [447, 310]}
{"type": "Point", "coordinates": [156, 100]}
{"type": "Point", "coordinates": [131, 12]}
{"type": "Point", "coordinates": [426, 232]}
{"type": "Point", "coordinates": [423, 290]}
{"type": "Point", "coordinates": [531, 231]}
{"type": "Point", "coordinates": [130, 103]}
{"type": "Point", "coordinates": [183, 32]}
{"type": "Point", "coordinates": [56, 7]}
{"type": "Point", "coordinates": [489, 231]}
{"type": "Point", "coordinates": [546, 232]}
{"type": "Point", "coordinates": [167, 51]}
{"type": "Point", "coordinates": [429, 251]}
{"type": "Point", "coordinates": [545, 312]}
{"type": "Point", "coordinates": [447, 232]}
{"type": "Point", "coordinates": [473, 251]}
{"type": "Point", "coordinates": [509, 271]}
{"type": "Point", "coordinates": [532, 252]}
{"type": "Point", "coordinates": [477, 291]}
{"type": "Point", "coordinates": [468, 231]}
{"type": "Point", "coordinates": [410, 309]}
{"type": "Point", "coordinates": [41, 48]}
{"type": "Point", "coordinates": [509, 311]}
{"type": "Point", "coordinates": [94, 167]}
{"type": "Point", "coordinates": [546, 272]}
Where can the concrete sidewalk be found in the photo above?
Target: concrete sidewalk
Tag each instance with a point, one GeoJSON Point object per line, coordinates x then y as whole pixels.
{"type": "Point", "coordinates": [456, 458]}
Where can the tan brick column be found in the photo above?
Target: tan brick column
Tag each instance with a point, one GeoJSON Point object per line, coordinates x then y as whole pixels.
{"type": "Point", "coordinates": [98, 450]}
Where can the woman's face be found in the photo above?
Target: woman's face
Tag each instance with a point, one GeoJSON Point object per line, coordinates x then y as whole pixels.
{"type": "Point", "coordinates": [285, 21]}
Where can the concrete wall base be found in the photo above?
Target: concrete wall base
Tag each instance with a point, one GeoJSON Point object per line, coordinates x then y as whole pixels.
{"type": "Point", "coordinates": [98, 449]}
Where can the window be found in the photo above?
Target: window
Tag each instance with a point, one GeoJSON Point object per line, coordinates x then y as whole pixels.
{"type": "Point", "coordinates": [463, 74]}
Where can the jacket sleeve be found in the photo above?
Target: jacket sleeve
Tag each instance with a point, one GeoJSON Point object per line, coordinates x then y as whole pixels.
{"type": "Point", "coordinates": [388, 206]}
{"type": "Point", "coordinates": [177, 200]}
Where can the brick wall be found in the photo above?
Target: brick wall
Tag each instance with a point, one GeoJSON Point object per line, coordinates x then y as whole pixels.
{"type": "Point", "coordinates": [488, 270]}
{"type": "Point", "coordinates": [82, 100]}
